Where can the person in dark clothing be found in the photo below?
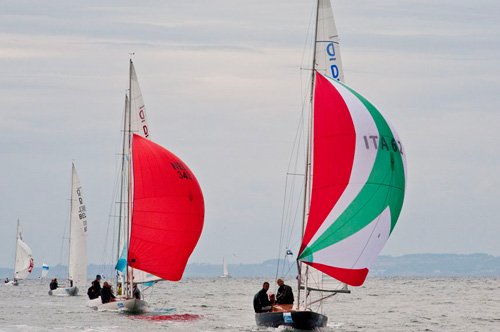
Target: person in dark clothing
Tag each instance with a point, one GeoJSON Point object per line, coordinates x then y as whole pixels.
{"type": "Point", "coordinates": [285, 293]}
{"type": "Point", "coordinates": [136, 293]}
{"type": "Point", "coordinates": [53, 284]}
{"type": "Point", "coordinates": [94, 291]}
{"type": "Point", "coordinates": [106, 293]}
{"type": "Point", "coordinates": [261, 302]}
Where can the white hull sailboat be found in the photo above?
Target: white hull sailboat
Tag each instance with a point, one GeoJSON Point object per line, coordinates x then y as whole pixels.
{"type": "Point", "coordinates": [24, 259]}
{"type": "Point", "coordinates": [354, 185]}
{"type": "Point", "coordinates": [77, 265]}
{"type": "Point", "coordinates": [161, 210]}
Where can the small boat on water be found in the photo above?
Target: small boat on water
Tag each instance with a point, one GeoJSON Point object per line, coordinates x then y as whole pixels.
{"type": "Point", "coordinates": [24, 259]}
{"type": "Point", "coordinates": [161, 210]}
{"type": "Point", "coordinates": [225, 270]}
{"type": "Point", "coordinates": [77, 265]}
{"type": "Point", "coordinates": [354, 186]}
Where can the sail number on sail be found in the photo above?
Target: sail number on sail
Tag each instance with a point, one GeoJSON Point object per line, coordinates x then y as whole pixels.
{"type": "Point", "coordinates": [330, 50]}
{"type": "Point", "coordinates": [82, 210]}
{"type": "Point", "coordinates": [181, 170]}
{"type": "Point", "coordinates": [142, 116]}
{"type": "Point", "coordinates": [382, 143]}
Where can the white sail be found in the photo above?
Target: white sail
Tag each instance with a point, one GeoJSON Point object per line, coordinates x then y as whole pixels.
{"type": "Point", "coordinates": [24, 257]}
{"type": "Point", "coordinates": [138, 118]}
{"type": "Point", "coordinates": [327, 58]}
{"type": "Point", "coordinates": [77, 266]}
{"type": "Point", "coordinates": [225, 271]}
{"type": "Point", "coordinates": [141, 277]}
{"type": "Point", "coordinates": [135, 122]}
{"type": "Point", "coordinates": [45, 270]}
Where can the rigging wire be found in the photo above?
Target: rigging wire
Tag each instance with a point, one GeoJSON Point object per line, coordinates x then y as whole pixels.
{"type": "Point", "coordinates": [291, 203]}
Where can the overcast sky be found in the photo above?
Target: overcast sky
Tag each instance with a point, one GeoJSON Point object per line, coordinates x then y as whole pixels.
{"type": "Point", "coordinates": [222, 84]}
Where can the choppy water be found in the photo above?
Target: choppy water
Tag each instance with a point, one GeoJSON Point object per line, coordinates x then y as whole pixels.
{"type": "Point", "coordinates": [382, 304]}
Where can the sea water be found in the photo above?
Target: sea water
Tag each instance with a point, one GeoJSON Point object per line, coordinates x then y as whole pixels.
{"type": "Point", "coordinates": [381, 304]}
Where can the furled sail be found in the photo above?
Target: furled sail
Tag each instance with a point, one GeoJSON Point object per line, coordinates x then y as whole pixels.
{"type": "Point", "coordinates": [77, 266]}
{"type": "Point", "coordinates": [327, 57]}
{"type": "Point", "coordinates": [359, 170]}
{"type": "Point", "coordinates": [24, 257]}
{"type": "Point", "coordinates": [168, 211]}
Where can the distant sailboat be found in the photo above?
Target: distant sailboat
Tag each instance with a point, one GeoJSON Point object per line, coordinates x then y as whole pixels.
{"type": "Point", "coordinates": [77, 265]}
{"type": "Point", "coordinates": [225, 271]}
{"type": "Point", "coordinates": [24, 259]}
{"type": "Point", "coordinates": [45, 270]}
{"type": "Point", "coordinates": [162, 209]}
{"type": "Point", "coordinates": [354, 188]}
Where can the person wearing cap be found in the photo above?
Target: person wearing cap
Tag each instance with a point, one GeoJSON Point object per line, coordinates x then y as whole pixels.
{"type": "Point", "coordinates": [94, 291]}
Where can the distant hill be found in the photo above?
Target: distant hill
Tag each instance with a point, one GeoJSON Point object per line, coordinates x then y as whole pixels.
{"type": "Point", "coordinates": [449, 265]}
{"type": "Point", "coordinates": [425, 265]}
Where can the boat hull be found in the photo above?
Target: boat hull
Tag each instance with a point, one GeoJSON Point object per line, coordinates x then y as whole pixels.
{"type": "Point", "coordinates": [64, 291]}
{"type": "Point", "coordinates": [134, 306]}
{"type": "Point", "coordinates": [303, 320]}
{"type": "Point", "coordinates": [11, 283]}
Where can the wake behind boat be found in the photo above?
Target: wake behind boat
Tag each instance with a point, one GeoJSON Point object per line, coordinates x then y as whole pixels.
{"type": "Point", "coordinates": [354, 185]}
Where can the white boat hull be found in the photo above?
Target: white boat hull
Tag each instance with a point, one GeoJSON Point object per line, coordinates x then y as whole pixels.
{"type": "Point", "coordinates": [11, 283]}
{"type": "Point", "coordinates": [64, 291]}
{"type": "Point", "coordinates": [120, 304]}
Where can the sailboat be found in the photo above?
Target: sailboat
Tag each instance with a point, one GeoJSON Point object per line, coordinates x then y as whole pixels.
{"type": "Point", "coordinates": [355, 179]}
{"type": "Point", "coordinates": [225, 271]}
{"type": "Point", "coordinates": [45, 270]}
{"type": "Point", "coordinates": [162, 209]}
{"type": "Point", "coordinates": [77, 264]}
{"type": "Point", "coordinates": [24, 259]}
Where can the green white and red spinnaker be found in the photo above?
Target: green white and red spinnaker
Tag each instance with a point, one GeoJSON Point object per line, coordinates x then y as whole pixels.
{"type": "Point", "coordinates": [358, 186]}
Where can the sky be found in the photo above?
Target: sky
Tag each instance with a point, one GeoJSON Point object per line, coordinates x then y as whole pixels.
{"type": "Point", "coordinates": [223, 87]}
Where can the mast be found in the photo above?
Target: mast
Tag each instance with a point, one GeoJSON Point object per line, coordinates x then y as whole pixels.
{"type": "Point", "coordinates": [130, 276]}
{"type": "Point", "coordinates": [123, 184]}
{"type": "Point", "coordinates": [308, 173]}
{"type": "Point", "coordinates": [70, 223]}
{"type": "Point", "coordinates": [17, 240]}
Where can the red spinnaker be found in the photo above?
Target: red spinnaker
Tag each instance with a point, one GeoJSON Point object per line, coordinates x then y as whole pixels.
{"type": "Point", "coordinates": [168, 211]}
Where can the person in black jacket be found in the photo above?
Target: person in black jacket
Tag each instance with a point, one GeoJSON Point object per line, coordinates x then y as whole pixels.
{"type": "Point", "coordinates": [261, 302]}
{"type": "Point", "coordinates": [106, 293]}
{"type": "Point", "coordinates": [94, 291]}
{"type": "Point", "coordinates": [285, 293]}
{"type": "Point", "coordinates": [53, 284]}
